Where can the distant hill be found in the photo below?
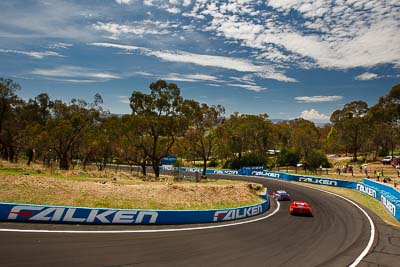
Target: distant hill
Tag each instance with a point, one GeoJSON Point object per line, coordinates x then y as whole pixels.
{"type": "Point", "coordinates": [318, 124]}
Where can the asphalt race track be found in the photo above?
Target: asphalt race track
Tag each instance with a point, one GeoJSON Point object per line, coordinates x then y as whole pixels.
{"type": "Point", "coordinates": [335, 236]}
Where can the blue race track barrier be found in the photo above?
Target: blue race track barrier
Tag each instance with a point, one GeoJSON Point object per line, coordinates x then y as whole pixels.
{"type": "Point", "coordinates": [79, 215]}
{"type": "Point", "coordinates": [387, 195]}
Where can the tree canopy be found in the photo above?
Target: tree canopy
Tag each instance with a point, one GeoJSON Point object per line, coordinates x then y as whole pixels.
{"type": "Point", "coordinates": [163, 122]}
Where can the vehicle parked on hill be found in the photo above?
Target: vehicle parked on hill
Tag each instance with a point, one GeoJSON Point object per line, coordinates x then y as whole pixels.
{"type": "Point", "coordinates": [300, 208]}
{"type": "Point", "coordinates": [387, 160]}
{"type": "Point", "coordinates": [396, 162]}
{"type": "Point", "coordinates": [281, 195]}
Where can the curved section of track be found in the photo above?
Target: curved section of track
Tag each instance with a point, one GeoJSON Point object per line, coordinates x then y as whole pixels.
{"type": "Point", "coordinates": [335, 236]}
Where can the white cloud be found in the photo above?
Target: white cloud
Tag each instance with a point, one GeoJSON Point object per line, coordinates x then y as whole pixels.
{"type": "Point", "coordinates": [367, 76]}
{"type": "Point", "coordinates": [278, 76]}
{"type": "Point", "coordinates": [34, 54]}
{"type": "Point", "coordinates": [126, 2]}
{"type": "Point", "coordinates": [71, 80]}
{"type": "Point", "coordinates": [255, 88]}
{"type": "Point", "coordinates": [313, 114]}
{"type": "Point", "coordinates": [47, 19]}
{"type": "Point", "coordinates": [203, 77]}
{"type": "Point", "coordinates": [189, 77]}
{"type": "Point", "coordinates": [187, 2]}
{"type": "Point", "coordinates": [328, 34]}
{"type": "Point", "coordinates": [124, 99]}
{"type": "Point", "coordinates": [135, 28]}
{"type": "Point", "coordinates": [209, 61]}
{"type": "Point", "coordinates": [178, 77]}
{"type": "Point", "coordinates": [60, 46]}
{"type": "Point", "coordinates": [173, 10]}
{"type": "Point", "coordinates": [142, 73]}
{"type": "Point", "coordinates": [318, 98]}
{"type": "Point", "coordinates": [76, 73]}
{"type": "Point", "coordinates": [169, 6]}
{"type": "Point", "coordinates": [241, 65]}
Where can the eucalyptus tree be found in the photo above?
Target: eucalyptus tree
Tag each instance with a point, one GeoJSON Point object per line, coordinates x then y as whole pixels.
{"type": "Point", "coordinates": [104, 140]}
{"type": "Point", "coordinates": [288, 157]}
{"type": "Point", "coordinates": [8, 101]}
{"type": "Point", "coordinates": [13, 131]}
{"type": "Point", "coordinates": [233, 133]}
{"type": "Point", "coordinates": [35, 113]}
{"type": "Point", "coordinates": [133, 141]}
{"type": "Point", "coordinates": [304, 137]}
{"type": "Point", "coordinates": [282, 134]}
{"type": "Point", "coordinates": [161, 117]}
{"type": "Point", "coordinates": [201, 134]}
{"type": "Point", "coordinates": [351, 124]}
{"type": "Point", "coordinates": [244, 133]}
{"type": "Point", "coordinates": [22, 125]}
{"type": "Point", "coordinates": [385, 118]}
{"type": "Point", "coordinates": [262, 134]}
{"type": "Point", "coordinates": [67, 126]}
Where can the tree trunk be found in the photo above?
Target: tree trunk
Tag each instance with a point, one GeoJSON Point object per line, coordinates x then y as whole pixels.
{"type": "Point", "coordinates": [31, 154]}
{"type": "Point", "coordinates": [11, 154]}
{"type": "Point", "coordinates": [143, 165]}
{"type": "Point", "coordinates": [84, 163]}
{"type": "Point", "coordinates": [64, 162]}
{"type": "Point", "coordinates": [156, 167]}
{"type": "Point", "coordinates": [204, 167]}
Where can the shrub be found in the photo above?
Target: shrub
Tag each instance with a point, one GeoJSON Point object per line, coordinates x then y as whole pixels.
{"type": "Point", "coordinates": [249, 159]}
{"type": "Point", "coordinates": [288, 157]}
{"type": "Point", "coordinates": [212, 164]}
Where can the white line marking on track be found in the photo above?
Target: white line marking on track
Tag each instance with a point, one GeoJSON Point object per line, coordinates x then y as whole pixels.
{"type": "Point", "coordinates": [371, 223]}
{"type": "Point", "coordinates": [142, 231]}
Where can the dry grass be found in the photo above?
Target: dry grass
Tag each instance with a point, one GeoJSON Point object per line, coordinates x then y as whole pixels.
{"type": "Point", "coordinates": [119, 190]}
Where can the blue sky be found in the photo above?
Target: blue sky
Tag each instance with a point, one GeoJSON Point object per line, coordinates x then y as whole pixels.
{"type": "Point", "coordinates": [286, 58]}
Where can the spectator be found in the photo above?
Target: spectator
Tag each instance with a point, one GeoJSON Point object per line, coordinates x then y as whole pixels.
{"type": "Point", "coordinates": [338, 170]}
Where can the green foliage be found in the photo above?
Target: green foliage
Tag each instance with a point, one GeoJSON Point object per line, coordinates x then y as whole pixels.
{"type": "Point", "coordinates": [201, 137]}
{"type": "Point", "coordinates": [351, 125]}
{"type": "Point", "coordinates": [247, 160]}
{"type": "Point", "coordinates": [162, 122]}
{"type": "Point", "coordinates": [384, 151]}
{"type": "Point", "coordinates": [178, 163]}
{"type": "Point", "coordinates": [212, 163]}
{"type": "Point", "coordinates": [316, 159]}
{"type": "Point", "coordinates": [288, 157]}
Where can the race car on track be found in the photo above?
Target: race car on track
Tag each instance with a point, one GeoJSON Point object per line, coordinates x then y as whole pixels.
{"type": "Point", "coordinates": [280, 195]}
{"type": "Point", "coordinates": [300, 208]}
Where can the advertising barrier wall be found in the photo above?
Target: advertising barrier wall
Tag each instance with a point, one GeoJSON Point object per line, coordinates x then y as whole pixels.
{"type": "Point", "coordinates": [383, 187]}
{"type": "Point", "coordinates": [78, 215]}
{"type": "Point", "coordinates": [306, 179]}
{"type": "Point", "coordinates": [387, 195]}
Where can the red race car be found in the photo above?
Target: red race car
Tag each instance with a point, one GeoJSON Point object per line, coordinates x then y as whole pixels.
{"type": "Point", "coordinates": [300, 208]}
